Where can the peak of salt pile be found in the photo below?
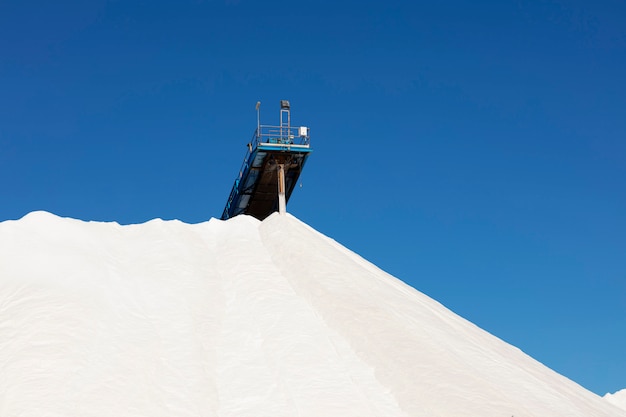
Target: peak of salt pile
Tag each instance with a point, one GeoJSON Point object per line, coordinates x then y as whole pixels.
{"type": "Point", "coordinates": [617, 398]}
{"type": "Point", "coordinates": [242, 318]}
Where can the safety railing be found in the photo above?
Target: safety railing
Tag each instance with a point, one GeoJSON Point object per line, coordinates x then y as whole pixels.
{"type": "Point", "coordinates": [286, 135]}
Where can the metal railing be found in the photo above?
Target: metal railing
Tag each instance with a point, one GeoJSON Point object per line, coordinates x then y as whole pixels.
{"type": "Point", "coordinates": [286, 135]}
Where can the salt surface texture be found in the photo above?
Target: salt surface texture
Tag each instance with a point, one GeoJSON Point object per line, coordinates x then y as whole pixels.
{"type": "Point", "coordinates": [618, 398]}
{"type": "Point", "coordinates": [242, 318]}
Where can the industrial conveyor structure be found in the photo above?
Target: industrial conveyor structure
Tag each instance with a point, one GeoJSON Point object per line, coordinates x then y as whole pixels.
{"type": "Point", "coordinates": [274, 160]}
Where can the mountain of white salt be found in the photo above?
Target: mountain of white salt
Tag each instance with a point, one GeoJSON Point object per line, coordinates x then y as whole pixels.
{"type": "Point", "coordinates": [618, 398]}
{"type": "Point", "coordinates": [242, 318]}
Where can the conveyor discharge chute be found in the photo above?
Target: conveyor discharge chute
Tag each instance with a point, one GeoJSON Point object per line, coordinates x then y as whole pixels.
{"type": "Point", "coordinates": [274, 160]}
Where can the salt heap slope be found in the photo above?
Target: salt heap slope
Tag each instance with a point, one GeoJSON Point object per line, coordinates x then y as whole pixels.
{"type": "Point", "coordinates": [618, 398]}
{"type": "Point", "coordinates": [242, 318]}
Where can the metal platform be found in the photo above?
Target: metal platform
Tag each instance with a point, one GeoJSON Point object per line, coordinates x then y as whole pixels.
{"type": "Point", "coordinates": [271, 167]}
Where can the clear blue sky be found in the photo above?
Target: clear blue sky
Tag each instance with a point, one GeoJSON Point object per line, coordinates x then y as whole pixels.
{"type": "Point", "coordinates": [474, 149]}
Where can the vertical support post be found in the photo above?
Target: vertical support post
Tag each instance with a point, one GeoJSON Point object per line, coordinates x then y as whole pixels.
{"type": "Point", "coordinates": [285, 125]}
{"type": "Point", "coordinates": [258, 121]}
{"type": "Point", "coordinates": [282, 201]}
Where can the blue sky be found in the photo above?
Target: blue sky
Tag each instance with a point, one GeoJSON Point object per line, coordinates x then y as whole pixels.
{"type": "Point", "coordinates": [476, 150]}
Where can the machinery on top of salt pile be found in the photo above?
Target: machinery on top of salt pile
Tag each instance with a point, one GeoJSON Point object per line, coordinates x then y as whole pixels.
{"type": "Point", "coordinates": [274, 160]}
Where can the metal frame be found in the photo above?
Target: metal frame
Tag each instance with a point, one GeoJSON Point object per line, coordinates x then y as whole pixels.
{"type": "Point", "coordinates": [283, 141]}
